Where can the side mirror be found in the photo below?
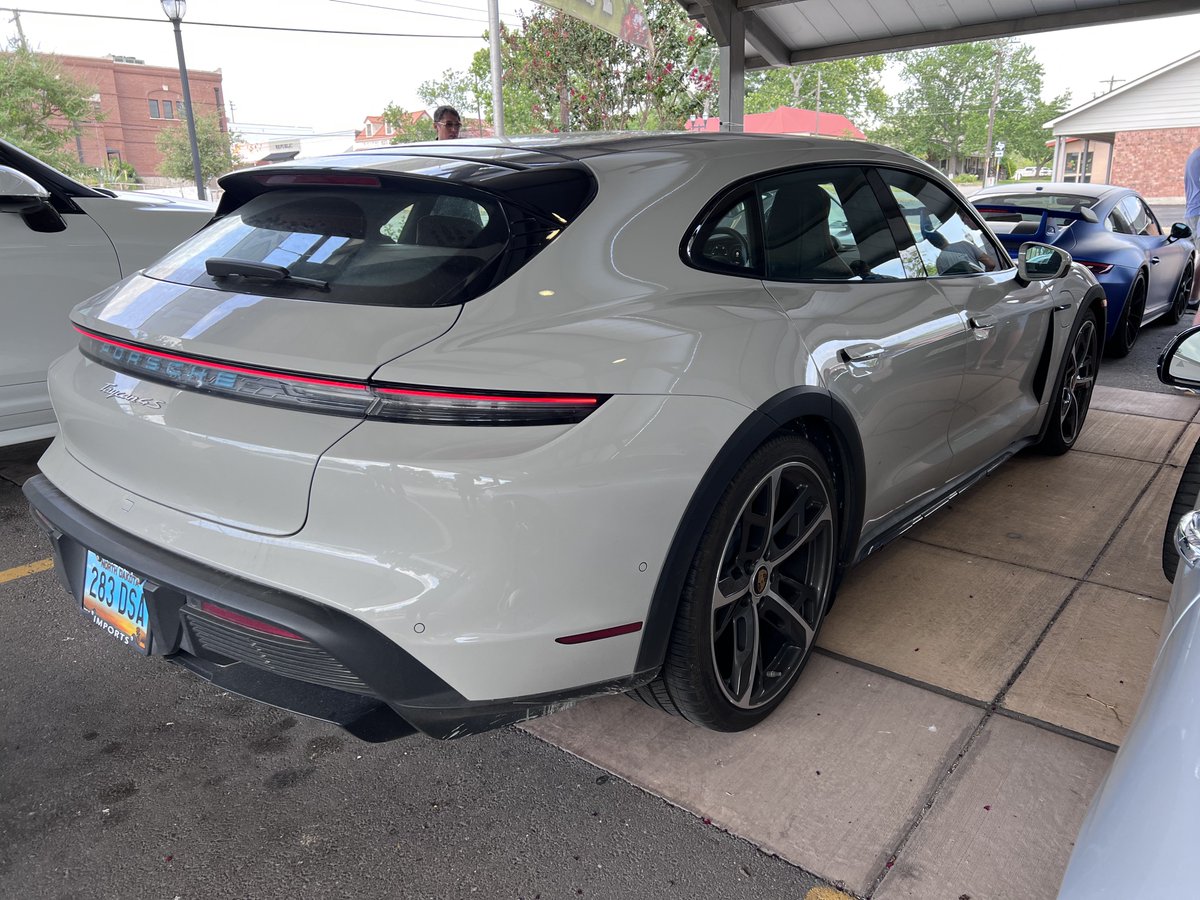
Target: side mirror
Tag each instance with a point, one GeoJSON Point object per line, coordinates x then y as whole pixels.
{"type": "Point", "coordinates": [1041, 262]}
{"type": "Point", "coordinates": [1089, 215]}
{"type": "Point", "coordinates": [1179, 364]}
{"type": "Point", "coordinates": [22, 195]}
{"type": "Point", "coordinates": [1180, 230]}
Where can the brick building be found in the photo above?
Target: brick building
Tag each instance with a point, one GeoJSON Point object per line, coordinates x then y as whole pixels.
{"type": "Point", "coordinates": [137, 102]}
{"type": "Point", "coordinates": [1138, 136]}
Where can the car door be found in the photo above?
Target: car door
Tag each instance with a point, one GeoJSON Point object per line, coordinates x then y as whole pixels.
{"type": "Point", "coordinates": [886, 344]}
{"type": "Point", "coordinates": [47, 269]}
{"type": "Point", "coordinates": [1007, 323]}
{"type": "Point", "coordinates": [1166, 258]}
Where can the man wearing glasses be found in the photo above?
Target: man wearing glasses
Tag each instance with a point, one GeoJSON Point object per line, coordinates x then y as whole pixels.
{"type": "Point", "coordinates": [447, 121]}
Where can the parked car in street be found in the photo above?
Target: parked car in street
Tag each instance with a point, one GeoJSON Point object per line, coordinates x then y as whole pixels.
{"type": "Point", "coordinates": [447, 436]}
{"type": "Point", "coordinates": [1146, 270]}
{"type": "Point", "coordinates": [1138, 836]}
{"type": "Point", "coordinates": [61, 242]}
{"type": "Point", "coordinates": [1032, 172]}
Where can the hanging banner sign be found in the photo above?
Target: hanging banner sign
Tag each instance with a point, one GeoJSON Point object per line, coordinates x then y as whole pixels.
{"type": "Point", "coordinates": [625, 19]}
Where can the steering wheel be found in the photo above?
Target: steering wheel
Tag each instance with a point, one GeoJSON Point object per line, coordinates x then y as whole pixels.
{"type": "Point", "coordinates": [728, 246]}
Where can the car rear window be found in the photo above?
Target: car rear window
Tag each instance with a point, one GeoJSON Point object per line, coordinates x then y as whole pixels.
{"type": "Point", "coordinates": [418, 247]}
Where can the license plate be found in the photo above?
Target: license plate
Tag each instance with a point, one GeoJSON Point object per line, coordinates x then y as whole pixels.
{"type": "Point", "coordinates": [113, 599]}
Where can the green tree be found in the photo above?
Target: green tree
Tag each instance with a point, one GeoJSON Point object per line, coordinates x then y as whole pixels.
{"type": "Point", "coordinates": [34, 91]}
{"type": "Point", "coordinates": [216, 148]}
{"type": "Point", "coordinates": [407, 128]}
{"type": "Point", "coordinates": [469, 92]}
{"type": "Point", "coordinates": [570, 76]}
{"type": "Point", "coordinates": [851, 87]}
{"type": "Point", "coordinates": [943, 113]}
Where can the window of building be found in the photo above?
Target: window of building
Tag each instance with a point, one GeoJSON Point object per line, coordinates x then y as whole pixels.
{"type": "Point", "coordinates": [168, 110]}
{"type": "Point", "coordinates": [154, 112]}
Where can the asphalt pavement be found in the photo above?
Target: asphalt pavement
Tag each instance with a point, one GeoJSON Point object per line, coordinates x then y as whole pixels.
{"type": "Point", "coordinates": [126, 777]}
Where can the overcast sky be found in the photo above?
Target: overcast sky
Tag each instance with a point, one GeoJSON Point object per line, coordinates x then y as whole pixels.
{"type": "Point", "coordinates": [331, 82]}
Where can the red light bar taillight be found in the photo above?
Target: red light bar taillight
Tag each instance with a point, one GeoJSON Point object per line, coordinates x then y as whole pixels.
{"type": "Point", "coordinates": [254, 624]}
{"type": "Point", "coordinates": [1096, 268]}
{"type": "Point", "coordinates": [360, 399]}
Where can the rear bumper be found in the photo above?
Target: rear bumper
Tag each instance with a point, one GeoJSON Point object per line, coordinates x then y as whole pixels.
{"type": "Point", "coordinates": [343, 671]}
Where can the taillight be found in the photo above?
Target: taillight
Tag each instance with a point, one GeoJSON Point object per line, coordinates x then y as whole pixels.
{"type": "Point", "coordinates": [1096, 268]}
{"type": "Point", "coordinates": [415, 404]}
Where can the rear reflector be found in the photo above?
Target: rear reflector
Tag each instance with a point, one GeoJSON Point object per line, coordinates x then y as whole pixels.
{"type": "Point", "coordinates": [361, 399]}
{"type": "Point", "coordinates": [237, 618]}
{"type": "Point", "coordinates": [599, 635]}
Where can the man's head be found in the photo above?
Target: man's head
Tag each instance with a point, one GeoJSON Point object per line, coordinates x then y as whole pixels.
{"type": "Point", "coordinates": [447, 121]}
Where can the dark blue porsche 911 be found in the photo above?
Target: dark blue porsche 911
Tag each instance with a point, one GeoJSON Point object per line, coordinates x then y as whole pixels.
{"type": "Point", "coordinates": [1146, 272]}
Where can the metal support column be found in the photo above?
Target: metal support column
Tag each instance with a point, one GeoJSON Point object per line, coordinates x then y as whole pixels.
{"type": "Point", "coordinates": [731, 98]}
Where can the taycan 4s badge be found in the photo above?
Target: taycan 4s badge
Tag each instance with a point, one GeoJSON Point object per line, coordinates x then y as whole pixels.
{"type": "Point", "coordinates": [112, 390]}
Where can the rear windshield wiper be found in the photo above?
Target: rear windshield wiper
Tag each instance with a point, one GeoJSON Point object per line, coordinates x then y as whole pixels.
{"type": "Point", "coordinates": [231, 267]}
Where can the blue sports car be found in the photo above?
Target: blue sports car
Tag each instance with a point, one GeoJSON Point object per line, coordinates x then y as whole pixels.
{"type": "Point", "coordinates": [1146, 273]}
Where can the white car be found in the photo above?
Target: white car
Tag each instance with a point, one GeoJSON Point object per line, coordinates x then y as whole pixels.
{"type": "Point", "coordinates": [449, 435]}
{"type": "Point", "coordinates": [61, 242]}
{"type": "Point", "coordinates": [1033, 172]}
{"type": "Point", "coordinates": [1138, 836]}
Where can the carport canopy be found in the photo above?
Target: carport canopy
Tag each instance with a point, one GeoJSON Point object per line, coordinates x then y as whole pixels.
{"type": "Point", "coordinates": [757, 34]}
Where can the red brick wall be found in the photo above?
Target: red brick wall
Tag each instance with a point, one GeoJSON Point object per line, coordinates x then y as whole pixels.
{"type": "Point", "coordinates": [125, 90]}
{"type": "Point", "coordinates": [1151, 162]}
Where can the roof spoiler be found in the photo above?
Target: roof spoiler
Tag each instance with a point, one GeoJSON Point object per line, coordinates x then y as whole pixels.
{"type": "Point", "coordinates": [1078, 214]}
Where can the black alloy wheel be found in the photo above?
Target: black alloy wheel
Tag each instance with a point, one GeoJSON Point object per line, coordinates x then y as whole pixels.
{"type": "Point", "coordinates": [1183, 293]}
{"type": "Point", "coordinates": [1076, 381]}
{"type": "Point", "coordinates": [1182, 504]}
{"type": "Point", "coordinates": [757, 592]}
{"type": "Point", "coordinates": [1130, 323]}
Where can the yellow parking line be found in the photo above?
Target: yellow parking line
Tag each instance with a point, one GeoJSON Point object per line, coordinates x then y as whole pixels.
{"type": "Point", "coordinates": [21, 571]}
{"type": "Point", "coordinates": [825, 893]}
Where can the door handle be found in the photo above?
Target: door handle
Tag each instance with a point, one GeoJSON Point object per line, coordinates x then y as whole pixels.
{"type": "Point", "coordinates": [981, 322]}
{"type": "Point", "coordinates": [862, 356]}
{"type": "Point", "coordinates": [1154, 260]}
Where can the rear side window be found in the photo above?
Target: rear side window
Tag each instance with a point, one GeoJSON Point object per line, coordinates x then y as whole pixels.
{"type": "Point", "coordinates": [822, 224]}
{"type": "Point", "coordinates": [411, 248]}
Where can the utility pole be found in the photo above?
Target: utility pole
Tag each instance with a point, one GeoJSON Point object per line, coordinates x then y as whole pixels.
{"type": "Point", "coordinates": [817, 120]}
{"type": "Point", "coordinates": [16, 18]}
{"type": "Point", "coordinates": [1111, 82]}
{"type": "Point", "coordinates": [987, 162]}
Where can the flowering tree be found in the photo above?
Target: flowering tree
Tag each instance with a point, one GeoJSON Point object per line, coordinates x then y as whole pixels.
{"type": "Point", "coordinates": [562, 74]}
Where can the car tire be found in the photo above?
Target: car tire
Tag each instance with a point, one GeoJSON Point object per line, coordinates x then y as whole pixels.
{"type": "Point", "coordinates": [1183, 503]}
{"type": "Point", "coordinates": [1183, 292]}
{"type": "Point", "coordinates": [1073, 389]}
{"type": "Point", "coordinates": [756, 592]}
{"type": "Point", "coordinates": [1130, 323]}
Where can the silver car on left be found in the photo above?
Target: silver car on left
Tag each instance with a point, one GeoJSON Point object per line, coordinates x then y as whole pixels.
{"type": "Point", "coordinates": [60, 243]}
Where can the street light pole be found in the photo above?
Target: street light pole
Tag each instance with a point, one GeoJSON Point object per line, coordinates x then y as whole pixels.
{"type": "Point", "coordinates": [175, 10]}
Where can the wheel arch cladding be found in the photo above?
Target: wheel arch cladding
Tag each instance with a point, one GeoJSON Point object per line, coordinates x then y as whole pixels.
{"type": "Point", "coordinates": [806, 411]}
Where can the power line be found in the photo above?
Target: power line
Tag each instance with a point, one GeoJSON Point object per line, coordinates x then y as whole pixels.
{"type": "Point", "coordinates": [389, 34]}
{"type": "Point", "coordinates": [417, 12]}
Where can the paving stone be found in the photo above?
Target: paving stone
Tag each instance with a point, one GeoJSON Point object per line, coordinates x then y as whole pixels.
{"type": "Point", "coordinates": [1003, 826]}
{"type": "Point", "coordinates": [1133, 560]}
{"type": "Point", "coordinates": [1133, 437]}
{"type": "Point", "coordinates": [1182, 407]}
{"type": "Point", "coordinates": [1044, 512]}
{"type": "Point", "coordinates": [946, 618]}
{"type": "Point", "coordinates": [1183, 447]}
{"type": "Point", "coordinates": [1091, 671]}
{"type": "Point", "coordinates": [831, 781]}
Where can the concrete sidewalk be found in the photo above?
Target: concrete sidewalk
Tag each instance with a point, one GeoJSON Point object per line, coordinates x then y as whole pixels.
{"type": "Point", "coordinates": [970, 687]}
